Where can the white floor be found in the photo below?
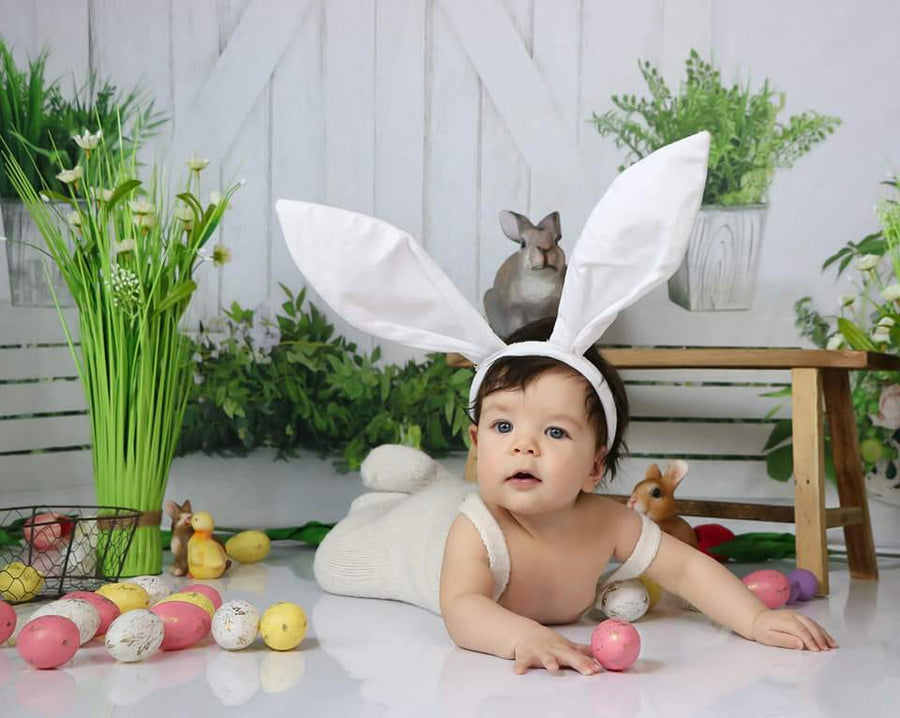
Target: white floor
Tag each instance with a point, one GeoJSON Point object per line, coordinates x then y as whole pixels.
{"type": "Point", "coordinates": [379, 658]}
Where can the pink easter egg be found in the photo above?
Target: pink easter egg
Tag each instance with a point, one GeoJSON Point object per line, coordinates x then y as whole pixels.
{"type": "Point", "coordinates": [207, 591]}
{"type": "Point", "coordinates": [770, 586]}
{"type": "Point", "coordinates": [615, 644]}
{"type": "Point", "coordinates": [7, 621]}
{"type": "Point", "coordinates": [108, 610]}
{"type": "Point", "coordinates": [46, 531]}
{"type": "Point", "coordinates": [48, 641]}
{"type": "Point", "coordinates": [184, 624]}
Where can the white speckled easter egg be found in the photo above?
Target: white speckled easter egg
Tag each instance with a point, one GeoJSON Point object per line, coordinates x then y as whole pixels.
{"type": "Point", "coordinates": [80, 612]}
{"type": "Point", "coordinates": [625, 600]}
{"type": "Point", "coordinates": [157, 589]}
{"type": "Point", "coordinates": [135, 635]}
{"type": "Point", "coordinates": [235, 625]}
{"type": "Point", "coordinates": [83, 553]}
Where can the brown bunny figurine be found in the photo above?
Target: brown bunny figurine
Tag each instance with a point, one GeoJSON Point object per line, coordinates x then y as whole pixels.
{"type": "Point", "coordinates": [655, 496]}
{"type": "Point", "coordinates": [181, 534]}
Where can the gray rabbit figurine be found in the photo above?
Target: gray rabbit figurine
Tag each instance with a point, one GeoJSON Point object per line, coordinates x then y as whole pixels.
{"type": "Point", "coordinates": [528, 284]}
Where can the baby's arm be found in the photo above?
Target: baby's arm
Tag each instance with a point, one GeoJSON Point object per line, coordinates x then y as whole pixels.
{"type": "Point", "coordinates": [718, 593]}
{"type": "Point", "coordinates": [477, 622]}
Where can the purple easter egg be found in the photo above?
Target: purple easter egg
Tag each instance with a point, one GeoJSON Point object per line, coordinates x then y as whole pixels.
{"type": "Point", "coordinates": [806, 582]}
{"type": "Point", "coordinates": [795, 594]}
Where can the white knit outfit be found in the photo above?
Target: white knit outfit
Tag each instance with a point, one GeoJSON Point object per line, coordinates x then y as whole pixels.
{"type": "Point", "coordinates": [391, 545]}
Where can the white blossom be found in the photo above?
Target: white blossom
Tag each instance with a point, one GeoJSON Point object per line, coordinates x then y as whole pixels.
{"type": "Point", "coordinates": [881, 334]}
{"type": "Point", "coordinates": [74, 220]}
{"type": "Point", "coordinates": [885, 322]}
{"type": "Point", "coordinates": [891, 293]}
{"type": "Point", "coordinates": [126, 245]}
{"type": "Point", "coordinates": [106, 194]}
{"type": "Point", "coordinates": [141, 206]}
{"type": "Point", "coordinates": [221, 255]}
{"type": "Point", "coordinates": [72, 175]}
{"type": "Point", "coordinates": [867, 262]}
{"type": "Point", "coordinates": [215, 198]}
{"type": "Point", "coordinates": [198, 164]}
{"type": "Point", "coordinates": [88, 141]}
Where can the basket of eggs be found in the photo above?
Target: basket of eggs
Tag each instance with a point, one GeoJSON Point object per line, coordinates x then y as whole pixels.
{"type": "Point", "coordinates": [48, 551]}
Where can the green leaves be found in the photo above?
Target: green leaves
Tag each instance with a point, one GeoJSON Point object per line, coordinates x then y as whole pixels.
{"type": "Point", "coordinates": [747, 144]}
{"type": "Point", "coordinates": [314, 390]}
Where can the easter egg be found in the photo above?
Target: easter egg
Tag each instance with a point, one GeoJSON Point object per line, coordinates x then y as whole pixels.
{"type": "Point", "coordinates": [208, 591]}
{"type": "Point", "coordinates": [19, 582]}
{"type": "Point", "coordinates": [626, 600]}
{"type": "Point", "coordinates": [7, 621]}
{"type": "Point", "coordinates": [615, 644]}
{"type": "Point", "coordinates": [183, 624]}
{"type": "Point", "coordinates": [770, 586]}
{"type": "Point", "coordinates": [82, 559]}
{"type": "Point", "coordinates": [46, 531]}
{"type": "Point", "coordinates": [83, 614]}
{"type": "Point", "coordinates": [49, 563]}
{"type": "Point", "coordinates": [248, 546]}
{"type": "Point", "coordinates": [235, 625]}
{"type": "Point", "coordinates": [157, 589]}
{"type": "Point", "coordinates": [48, 641]}
{"type": "Point", "coordinates": [283, 626]}
{"type": "Point", "coordinates": [135, 635]}
{"type": "Point", "coordinates": [127, 596]}
{"type": "Point", "coordinates": [108, 610]}
{"type": "Point", "coordinates": [654, 590]}
{"type": "Point", "coordinates": [195, 597]}
{"type": "Point", "coordinates": [805, 582]}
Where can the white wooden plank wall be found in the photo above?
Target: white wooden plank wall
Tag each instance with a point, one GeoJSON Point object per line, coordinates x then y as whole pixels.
{"type": "Point", "coordinates": [436, 115]}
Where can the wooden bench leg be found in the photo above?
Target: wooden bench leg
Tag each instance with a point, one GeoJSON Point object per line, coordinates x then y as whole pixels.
{"type": "Point", "coordinates": [848, 467]}
{"type": "Point", "coordinates": [809, 473]}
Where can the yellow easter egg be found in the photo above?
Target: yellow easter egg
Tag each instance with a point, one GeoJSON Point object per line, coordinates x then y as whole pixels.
{"type": "Point", "coordinates": [19, 582]}
{"type": "Point", "coordinates": [248, 546]}
{"type": "Point", "coordinates": [127, 596]}
{"type": "Point", "coordinates": [654, 590]}
{"type": "Point", "coordinates": [195, 597]}
{"type": "Point", "coordinates": [283, 626]}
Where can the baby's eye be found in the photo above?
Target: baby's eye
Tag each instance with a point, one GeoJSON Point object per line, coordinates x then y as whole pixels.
{"type": "Point", "coordinates": [555, 432]}
{"type": "Point", "coordinates": [503, 427]}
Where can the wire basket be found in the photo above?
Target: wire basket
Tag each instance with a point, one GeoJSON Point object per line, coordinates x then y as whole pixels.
{"type": "Point", "coordinates": [48, 551]}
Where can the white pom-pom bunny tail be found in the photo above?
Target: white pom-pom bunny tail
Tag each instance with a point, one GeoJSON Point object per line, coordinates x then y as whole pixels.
{"type": "Point", "coordinates": [379, 279]}
{"type": "Point", "coordinates": [634, 240]}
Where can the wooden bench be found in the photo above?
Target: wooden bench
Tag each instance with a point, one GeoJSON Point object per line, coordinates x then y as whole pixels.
{"type": "Point", "coordinates": [816, 375]}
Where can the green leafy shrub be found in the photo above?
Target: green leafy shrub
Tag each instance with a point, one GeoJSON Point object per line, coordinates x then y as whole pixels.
{"type": "Point", "coordinates": [291, 383]}
{"type": "Point", "coordinates": [748, 143]}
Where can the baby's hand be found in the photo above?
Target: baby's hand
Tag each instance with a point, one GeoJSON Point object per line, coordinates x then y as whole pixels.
{"type": "Point", "coordinates": [547, 649]}
{"type": "Point", "coordinates": [789, 629]}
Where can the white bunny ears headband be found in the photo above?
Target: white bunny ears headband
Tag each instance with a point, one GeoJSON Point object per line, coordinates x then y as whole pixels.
{"type": "Point", "coordinates": [379, 278]}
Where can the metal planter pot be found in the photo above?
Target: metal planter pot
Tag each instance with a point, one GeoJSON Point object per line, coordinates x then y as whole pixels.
{"type": "Point", "coordinates": [27, 282]}
{"type": "Point", "coordinates": [719, 270]}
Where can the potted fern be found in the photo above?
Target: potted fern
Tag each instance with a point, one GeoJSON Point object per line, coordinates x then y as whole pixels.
{"type": "Point", "coordinates": [748, 145]}
{"type": "Point", "coordinates": [37, 123]}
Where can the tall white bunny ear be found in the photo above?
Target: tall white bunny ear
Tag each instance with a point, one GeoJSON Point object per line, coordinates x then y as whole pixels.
{"type": "Point", "coordinates": [633, 241]}
{"type": "Point", "coordinates": [380, 280]}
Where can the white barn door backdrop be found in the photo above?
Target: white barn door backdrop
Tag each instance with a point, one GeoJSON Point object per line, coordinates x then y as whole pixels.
{"type": "Point", "coordinates": [437, 114]}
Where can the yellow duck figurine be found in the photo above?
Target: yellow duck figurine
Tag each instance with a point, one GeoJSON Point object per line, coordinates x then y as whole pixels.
{"type": "Point", "coordinates": [206, 556]}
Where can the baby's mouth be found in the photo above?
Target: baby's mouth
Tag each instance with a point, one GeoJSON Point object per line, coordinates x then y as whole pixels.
{"type": "Point", "coordinates": [523, 476]}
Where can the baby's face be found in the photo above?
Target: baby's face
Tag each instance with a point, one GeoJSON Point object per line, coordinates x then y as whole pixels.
{"type": "Point", "coordinates": [536, 449]}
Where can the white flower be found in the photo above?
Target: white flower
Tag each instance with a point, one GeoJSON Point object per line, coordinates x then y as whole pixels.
{"type": "Point", "coordinates": [106, 194]}
{"type": "Point", "coordinates": [198, 164]}
{"type": "Point", "coordinates": [221, 255]}
{"type": "Point", "coordinates": [847, 299]}
{"type": "Point", "coordinates": [145, 221]}
{"type": "Point", "coordinates": [885, 322]}
{"type": "Point", "coordinates": [198, 378]}
{"type": "Point", "coordinates": [141, 206]}
{"type": "Point", "coordinates": [197, 358]}
{"type": "Point", "coordinates": [835, 341]}
{"type": "Point", "coordinates": [215, 198]}
{"type": "Point", "coordinates": [87, 141]}
{"type": "Point", "coordinates": [891, 293]}
{"type": "Point", "coordinates": [69, 176]}
{"type": "Point", "coordinates": [74, 219]}
{"type": "Point", "coordinates": [881, 334]}
{"type": "Point", "coordinates": [186, 215]}
{"type": "Point", "coordinates": [867, 262]}
{"type": "Point", "coordinates": [126, 245]}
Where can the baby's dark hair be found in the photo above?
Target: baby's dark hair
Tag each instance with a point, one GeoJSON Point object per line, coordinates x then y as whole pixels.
{"type": "Point", "coordinates": [518, 372]}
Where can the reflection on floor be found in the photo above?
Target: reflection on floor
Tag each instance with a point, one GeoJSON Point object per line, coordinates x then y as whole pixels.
{"type": "Point", "coordinates": [367, 657]}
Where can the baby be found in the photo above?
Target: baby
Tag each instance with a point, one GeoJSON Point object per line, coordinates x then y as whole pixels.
{"type": "Point", "coordinates": [529, 548]}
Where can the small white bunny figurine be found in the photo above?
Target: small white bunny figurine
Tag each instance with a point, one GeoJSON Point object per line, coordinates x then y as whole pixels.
{"type": "Point", "coordinates": [529, 283]}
